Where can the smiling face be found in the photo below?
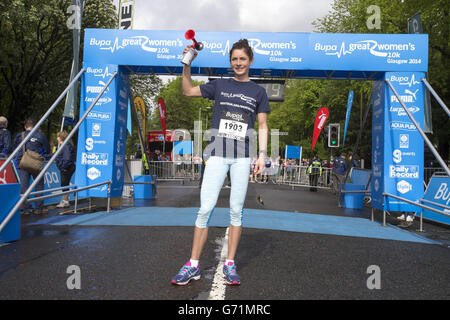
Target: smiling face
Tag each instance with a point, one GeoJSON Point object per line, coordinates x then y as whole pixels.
{"type": "Point", "coordinates": [240, 63]}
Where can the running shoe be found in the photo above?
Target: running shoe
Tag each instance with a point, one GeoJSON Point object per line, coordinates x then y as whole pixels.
{"type": "Point", "coordinates": [186, 274]}
{"type": "Point", "coordinates": [230, 274]}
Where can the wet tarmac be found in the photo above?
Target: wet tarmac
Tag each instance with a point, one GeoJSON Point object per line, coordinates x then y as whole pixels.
{"type": "Point", "coordinates": [135, 262]}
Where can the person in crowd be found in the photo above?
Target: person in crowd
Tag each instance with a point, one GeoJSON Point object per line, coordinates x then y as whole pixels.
{"type": "Point", "coordinates": [65, 162]}
{"type": "Point", "coordinates": [5, 138]}
{"type": "Point", "coordinates": [353, 161]}
{"type": "Point", "coordinates": [242, 101]}
{"type": "Point", "coordinates": [338, 172]}
{"type": "Point", "coordinates": [138, 153]}
{"type": "Point", "coordinates": [37, 143]}
{"type": "Point", "coordinates": [314, 171]}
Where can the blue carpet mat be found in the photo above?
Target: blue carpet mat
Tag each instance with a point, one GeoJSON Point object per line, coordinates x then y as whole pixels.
{"type": "Point", "coordinates": [260, 219]}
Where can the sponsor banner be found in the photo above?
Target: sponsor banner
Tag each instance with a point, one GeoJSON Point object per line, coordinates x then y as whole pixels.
{"type": "Point", "coordinates": [321, 118]}
{"type": "Point", "coordinates": [438, 191]}
{"type": "Point", "coordinates": [347, 115]}
{"type": "Point", "coordinates": [102, 136]}
{"type": "Point", "coordinates": [287, 51]}
{"type": "Point", "coordinates": [398, 148]}
{"type": "Point", "coordinates": [162, 116]}
{"type": "Point", "coordinates": [293, 152]}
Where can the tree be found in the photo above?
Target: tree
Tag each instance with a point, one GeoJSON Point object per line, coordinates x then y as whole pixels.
{"type": "Point", "coordinates": [352, 16]}
{"type": "Point", "coordinates": [36, 55]}
{"type": "Point", "coordinates": [181, 111]}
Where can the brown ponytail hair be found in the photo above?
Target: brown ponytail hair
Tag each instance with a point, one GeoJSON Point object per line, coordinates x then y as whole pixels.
{"type": "Point", "coordinates": [243, 44]}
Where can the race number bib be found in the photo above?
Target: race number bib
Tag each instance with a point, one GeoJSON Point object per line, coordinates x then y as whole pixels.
{"type": "Point", "coordinates": [233, 125]}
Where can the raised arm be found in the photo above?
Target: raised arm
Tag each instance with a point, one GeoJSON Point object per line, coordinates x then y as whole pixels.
{"type": "Point", "coordinates": [263, 131]}
{"type": "Point", "coordinates": [188, 88]}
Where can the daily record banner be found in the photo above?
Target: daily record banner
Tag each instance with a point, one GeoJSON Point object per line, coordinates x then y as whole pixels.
{"type": "Point", "coordinates": [102, 136]}
{"type": "Point", "coordinates": [397, 146]}
{"type": "Point", "coordinates": [287, 51]}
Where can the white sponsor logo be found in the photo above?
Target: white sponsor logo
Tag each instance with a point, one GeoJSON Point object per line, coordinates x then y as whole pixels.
{"type": "Point", "coordinates": [372, 46]}
{"type": "Point", "coordinates": [99, 72]}
{"type": "Point", "coordinates": [399, 125]}
{"type": "Point", "coordinates": [443, 193]}
{"type": "Point", "coordinates": [404, 187]}
{"type": "Point", "coordinates": [89, 144]}
{"type": "Point", "coordinates": [143, 42]}
{"type": "Point", "coordinates": [97, 115]}
{"type": "Point", "coordinates": [397, 156]}
{"type": "Point", "coordinates": [404, 141]}
{"type": "Point", "coordinates": [405, 99]}
{"type": "Point", "coordinates": [100, 101]}
{"type": "Point", "coordinates": [404, 171]}
{"type": "Point", "coordinates": [401, 112]}
{"type": "Point", "coordinates": [94, 158]}
{"type": "Point", "coordinates": [96, 129]}
{"type": "Point", "coordinates": [93, 173]}
{"type": "Point", "coordinates": [404, 80]}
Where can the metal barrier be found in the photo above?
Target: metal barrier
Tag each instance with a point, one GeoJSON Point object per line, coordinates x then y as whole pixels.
{"type": "Point", "coordinates": [24, 197]}
{"type": "Point", "coordinates": [417, 205]}
{"type": "Point", "coordinates": [109, 182]}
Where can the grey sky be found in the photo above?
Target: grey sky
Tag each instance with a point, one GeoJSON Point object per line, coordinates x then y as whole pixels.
{"type": "Point", "coordinates": [229, 15]}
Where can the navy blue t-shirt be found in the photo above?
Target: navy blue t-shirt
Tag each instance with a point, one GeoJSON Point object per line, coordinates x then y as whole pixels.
{"type": "Point", "coordinates": [236, 105]}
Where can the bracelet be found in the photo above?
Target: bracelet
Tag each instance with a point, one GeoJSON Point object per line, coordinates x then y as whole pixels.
{"type": "Point", "coordinates": [264, 152]}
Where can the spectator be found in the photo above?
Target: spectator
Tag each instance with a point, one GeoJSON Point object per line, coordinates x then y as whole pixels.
{"type": "Point", "coordinates": [338, 173]}
{"type": "Point", "coordinates": [138, 154]}
{"type": "Point", "coordinates": [38, 143]}
{"type": "Point", "coordinates": [65, 162]}
{"type": "Point", "coordinates": [353, 161]}
{"type": "Point", "coordinates": [5, 138]}
{"type": "Point", "coordinates": [314, 171]}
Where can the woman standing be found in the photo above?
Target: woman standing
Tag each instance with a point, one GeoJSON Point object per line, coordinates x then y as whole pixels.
{"type": "Point", "coordinates": [65, 162]}
{"type": "Point", "coordinates": [238, 102]}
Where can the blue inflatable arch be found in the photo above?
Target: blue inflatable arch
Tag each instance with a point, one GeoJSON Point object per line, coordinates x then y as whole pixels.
{"type": "Point", "coordinates": [397, 147]}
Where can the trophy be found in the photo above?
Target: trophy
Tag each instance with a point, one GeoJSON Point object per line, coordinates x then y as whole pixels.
{"type": "Point", "coordinates": [189, 56]}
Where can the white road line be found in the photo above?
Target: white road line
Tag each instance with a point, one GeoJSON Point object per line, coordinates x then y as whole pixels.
{"type": "Point", "coordinates": [218, 286]}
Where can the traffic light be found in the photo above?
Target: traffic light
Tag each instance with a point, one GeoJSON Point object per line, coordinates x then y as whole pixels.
{"type": "Point", "coordinates": [333, 135]}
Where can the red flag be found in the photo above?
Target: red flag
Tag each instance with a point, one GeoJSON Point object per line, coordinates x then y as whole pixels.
{"type": "Point", "coordinates": [162, 115]}
{"type": "Point", "coordinates": [321, 118]}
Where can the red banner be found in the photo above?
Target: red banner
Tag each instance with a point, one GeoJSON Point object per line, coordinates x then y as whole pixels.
{"type": "Point", "coordinates": [162, 115]}
{"type": "Point", "coordinates": [8, 175]}
{"type": "Point", "coordinates": [321, 118]}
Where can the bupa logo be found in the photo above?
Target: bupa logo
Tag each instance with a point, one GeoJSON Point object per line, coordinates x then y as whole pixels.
{"type": "Point", "coordinates": [404, 80]}
{"type": "Point", "coordinates": [235, 116]}
{"type": "Point", "coordinates": [404, 187]}
{"type": "Point", "coordinates": [371, 46]}
{"type": "Point", "coordinates": [143, 42]}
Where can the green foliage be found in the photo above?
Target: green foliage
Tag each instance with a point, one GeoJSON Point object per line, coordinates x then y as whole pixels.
{"type": "Point", "coordinates": [181, 111]}
{"type": "Point", "coordinates": [36, 55]}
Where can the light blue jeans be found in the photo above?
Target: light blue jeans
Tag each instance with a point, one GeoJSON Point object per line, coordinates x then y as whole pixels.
{"type": "Point", "coordinates": [215, 172]}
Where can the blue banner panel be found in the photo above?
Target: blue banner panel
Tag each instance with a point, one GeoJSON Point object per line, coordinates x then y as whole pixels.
{"type": "Point", "coordinates": [102, 136]}
{"type": "Point", "coordinates": [438, 191]}
{"type": "Point", "coordinates": [359, 53]}
{"type": "Point", "coordinates": [183, 147]}
{"type": "Point", "coordinates": [10, 196]}
{"type": "Point", "coordinates": [293, 152]}
{"type": "Point", "coordinates": [398, 150]}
